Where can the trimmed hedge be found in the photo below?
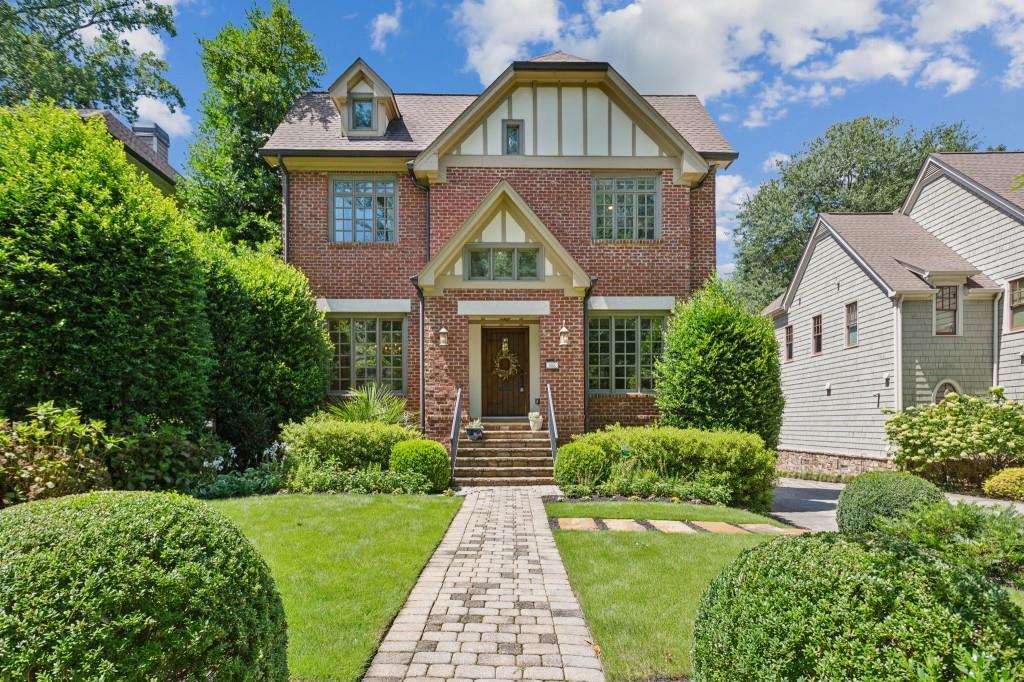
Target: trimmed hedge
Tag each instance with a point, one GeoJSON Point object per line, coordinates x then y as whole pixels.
{"type": "Point", "coordinates": [720, 367]}
{"type": "Point", "coordinates": [323, 438]}
{"type": "Point", "coordinates": [134, 586]}
{"type": "Point", "coordinates": [580, 463]}
{"type": "Point", "coordinates": [737, 461]}
{"type": "Point", "coordinates": [881, 494]}
{"type": "Point", "coordinates": [328, 477]}
{"type": "Point", "coordinates": [824, 608]}
{"type": "Point", "coordinates": [422, 456]}
{"type": "Point", "coordinates": [1008, 483]}
{"type": "Point", "coordinates": [102, 304]}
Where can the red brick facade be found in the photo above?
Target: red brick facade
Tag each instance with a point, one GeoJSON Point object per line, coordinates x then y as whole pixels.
{"type": "Point", "coordinates": [674, 265]}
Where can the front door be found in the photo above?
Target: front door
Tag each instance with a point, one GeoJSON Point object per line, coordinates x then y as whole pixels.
{"type": "Point", "coordinates": [506, 378]}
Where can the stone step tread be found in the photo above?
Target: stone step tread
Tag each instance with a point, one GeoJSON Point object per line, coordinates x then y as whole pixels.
{"type": "Point", "coordinates": [502, 442]}
{"type": "Point", "coordinates": [471, 472]}
{"type": "Point", "coordinates": [506, 427]}
{"type": "Point", "coordinates": [493, 481]}
{"type": "Point", "coordinates": [504, 460]}
{"type": "Point", "coordinates": [474, 448]}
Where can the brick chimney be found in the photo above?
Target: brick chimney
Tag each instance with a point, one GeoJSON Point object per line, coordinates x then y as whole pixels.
{"type": "Point", "coordinates": [154, 137]}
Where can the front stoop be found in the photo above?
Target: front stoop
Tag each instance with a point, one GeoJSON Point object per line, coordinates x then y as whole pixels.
{"type": "Point", "coordinates": [509, 454]}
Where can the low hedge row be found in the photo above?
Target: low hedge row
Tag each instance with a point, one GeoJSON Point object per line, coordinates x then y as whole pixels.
{"type": "Point", "coordinates": [325, 438]}
{"type": "Point", "coordinates": [732, 460]}
{"type": "Point", "coordinates": [1008, 483]}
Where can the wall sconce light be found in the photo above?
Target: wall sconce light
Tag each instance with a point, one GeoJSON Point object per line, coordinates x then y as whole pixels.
{"type": "Point", "coordinates": [442, 336]}
{"type": "Point", "coordinates": [563, 335]}
{"type": "Point", "coordinates": [828, 388]}
{"type": "Point", "coordinates": [885, 379]}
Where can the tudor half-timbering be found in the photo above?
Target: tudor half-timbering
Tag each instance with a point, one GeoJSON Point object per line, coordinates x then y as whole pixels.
{"type": "Point", "coordinates": [534, 236]}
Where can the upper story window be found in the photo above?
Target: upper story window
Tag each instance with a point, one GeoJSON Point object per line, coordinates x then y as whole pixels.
{"type": "Point", "coordinates": [946, 304]}
{"type": "Point", "coordinates": [367, 350]}
{"type": "Point", "coordinates": [852, 329]}
{"type": "Point", "coordinates": [621, 352]}
{"type": "Point", "coordinates": [362, 113]}
{"type": "Point", "coordinates": [364, 210]}
{"type": "Point", "coordinates": [1016, 302]}
{"type": "Point", "coordinates": [503, 263]}
{"type": "Point", "coordinates": [626, 207]}
{"type": "Point", "coordinates": [789, 342]}
{"type": "Point", "coordinates": [816, 334]}
{"type": "Point", "coordinates": [513, 137]}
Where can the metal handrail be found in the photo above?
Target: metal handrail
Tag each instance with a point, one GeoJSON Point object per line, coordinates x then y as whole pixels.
{"type": "Point", "coordinates": [552, 425]}
{"type": "Point", "coordinates": [456, 423]}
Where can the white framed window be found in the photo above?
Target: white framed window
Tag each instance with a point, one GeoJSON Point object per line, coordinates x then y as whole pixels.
{"type": "Point", "coordinates": [789, 342]}
{"type": "Point", "coordinates": [367, 350]}
{"type": "Point", "coordinates": [945, 388]}
{"type": "Point", "coordinates": [362, 113]}
{"type": "Point", "coordinates": [512, 136]}
{"type": "Point", "coordinates": [503, 262]}
{"type": "Point", "coordinates": [852, 328]}
{"type": "Point", "coordinates": [621, 352]}
{"type": "Point", "coordinates": [816, 335]}
{"type": "Point", "coordinates": [626, 207]}
{"type": "Point", "coordinates": [947, 310]}
{"type": "Point", "coordinates": [1015, 304]}
{"type": "Point", "coordinates": [364, 209]}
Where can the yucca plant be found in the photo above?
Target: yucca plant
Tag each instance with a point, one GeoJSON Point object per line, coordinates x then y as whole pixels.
{"type": "Point", "coordinates": [374, 403]}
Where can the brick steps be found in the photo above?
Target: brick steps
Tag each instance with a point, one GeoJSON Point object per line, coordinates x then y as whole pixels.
{"type": "Point", "coordinates": [510, 454]}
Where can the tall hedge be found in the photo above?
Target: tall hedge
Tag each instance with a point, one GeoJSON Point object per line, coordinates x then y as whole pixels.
{"type": "Point", "coordinates": [720, 367]}
{"type": "Point", "coordinates": [270, 341]}
{"type": "Point", "coordinates": [101, 298]}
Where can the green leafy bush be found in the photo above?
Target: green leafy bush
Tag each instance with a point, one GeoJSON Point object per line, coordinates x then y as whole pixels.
{"type": "Point", "coordinates": [427, 457]}
{"type": "Point", "coordinates": [265, 479]}
{"type": "Point", "coordinates": [373, 403]}
{"type": "Point", "coordinates": [270, 341]}
{"type": "Point", "coordinates": [134, 586]}
{"type": "Point", "coordinates": [735, 461]}
{"type": "Point", "coordinates": [720, 367]}
{"type": "Point", "coordinates": [878, 495]}
{"type": "Point", "coordinates": [152, 454]}
{"type": "Point", "coordinates": [1008, 483]}
{"type": "Point", "coordinates": [329, 477]}
{"type": "Point", "coordinates": [101, 296]}
{"type": "Point", "coordinates": [324, 438]}
{"type": "Point", "coordinates": [960, 441]}
{"type": "Point", "coordinates": [580, 463]}
{"type": "Point", "coordinates": [824, 608]}
{"type": "Point", "coordinates": [985, 539]}
{"type": "Point", "coordinates": [49, 454]}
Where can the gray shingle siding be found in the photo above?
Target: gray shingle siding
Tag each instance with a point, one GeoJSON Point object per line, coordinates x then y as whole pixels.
{"type": "Point", "coordinates": [928, 359]}
{"type": "Point", "coordinates": [849, 421]}
{"type": "Point", "coordinates": [993, 241]}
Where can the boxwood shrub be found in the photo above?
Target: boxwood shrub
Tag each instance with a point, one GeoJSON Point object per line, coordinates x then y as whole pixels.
{"type": "Point", "coordinates": [328, 477]}
{"type": "Point", "coordinates": [1008, 483]}
{"type": "Point", "coordinates": [134, 586]}
{"type": "Point", "coordinates": [324, 438]}
{"type": "Point", "coordinates": [427, 457]}
{"type": "Point", "coordinates": [824, 608]}
{"type": "Point", "coordinates": [737, 461]}
{"type": "Point", "coordinates": [881, 494]}
{"type": "Point", "coordinates": [580, 463]}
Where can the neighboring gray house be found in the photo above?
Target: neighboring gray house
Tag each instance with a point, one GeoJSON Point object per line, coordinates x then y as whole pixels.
{"type": "Point", "coordinates": [145, 145]}
{"type": "Point", "coordinates": [889, 310]}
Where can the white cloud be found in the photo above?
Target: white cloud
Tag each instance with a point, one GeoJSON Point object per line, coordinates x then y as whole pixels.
{"type": "Point", "coordinates": [956, 76]}
{"type": "Point", "coordinates": [726, 270]}
{"type": "Point", "coordinates": [1012, 38]}
{"type": "Point", "coordinates": [498, 32]}
{"type": "Point", "coordinates": [142, 41]}
{"type": "Point", "coordinates": [385, 24]}
{"type": "Point", "coordinates": [176, 123]}
{"type": "Point", "coordinates": [872, 59]}
{"type": "Point", "coordinates": [771, 103]}
{"type": "Point", "coordinates": [731, 190]}
{"type": "Point", "coordinates": [774, 160]}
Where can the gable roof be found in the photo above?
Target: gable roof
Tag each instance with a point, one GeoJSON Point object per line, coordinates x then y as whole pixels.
{"type": "Point", "coordinates": [989, 174]}
{"type": "Point", "coordinates": [133, 145]}
{"type": "Point", "coordinates": [892, 249]}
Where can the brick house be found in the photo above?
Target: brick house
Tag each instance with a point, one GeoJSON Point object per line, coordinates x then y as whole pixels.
{"type": "Point", "coordinates": [532, 237]}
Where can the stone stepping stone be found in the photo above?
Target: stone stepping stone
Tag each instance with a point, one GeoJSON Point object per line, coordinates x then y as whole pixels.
{"type": "Point", "coordinates": [671, 526]}
{"type": "Point", "coordinates": [623, 525]}
{"type": "Point", "coordinates": [720, 527]}
{"type": "Point", "coordinates": [576, 523]}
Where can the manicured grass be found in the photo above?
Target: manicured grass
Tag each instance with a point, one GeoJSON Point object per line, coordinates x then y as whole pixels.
{"type": "Point", "coordinates": [640, 592]}
{"type": "Point", "coordinates": [655, 510]}
{"type": "Point", "coordinates": [1017, 597]}
{"type": "Point", "coordinates": [344, 565]}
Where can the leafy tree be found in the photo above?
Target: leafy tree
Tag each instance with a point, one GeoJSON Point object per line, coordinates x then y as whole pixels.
{"type": "Point", "coordinates": [101, 297]}
{"type": "Point", "coordinates": [74, 52]}
{"type": "Point", "coordinates": [255, 74]}
{"type": "Point", "coordinates": [865, 164]}
{"type": "Point", "coordinates": [720, 367]}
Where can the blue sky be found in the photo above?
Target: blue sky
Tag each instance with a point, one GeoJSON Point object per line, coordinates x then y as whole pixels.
{"type": "Point", "coordinates": [773, 73]}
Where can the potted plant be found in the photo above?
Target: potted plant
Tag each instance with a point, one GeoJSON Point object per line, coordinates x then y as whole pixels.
{"type": "Point", "coordinates": [536, 421]}
{"type": "Point", "coordinates": [475, 429]}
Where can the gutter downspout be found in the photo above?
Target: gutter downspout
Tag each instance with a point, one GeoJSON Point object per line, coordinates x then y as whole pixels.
{"type": "Point", "coordinates": [425, 186]}
{"type": "Point", "coordinates": [423, 386]}
{"type": "Point", "coordinates": [284, 207]}
{"type": "Point", "coordinates": [997, 327]}
{"type": "Point", "coordinates": [586, 355]}
{"type": "Point", "coordinates": [897, 309]}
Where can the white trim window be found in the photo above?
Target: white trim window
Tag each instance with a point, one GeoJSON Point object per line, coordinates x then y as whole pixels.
{"type": "Point", "coordinates": [364, 210]}
{"type": "Point", "coordinates": [503, 262]}
{"type": "Point", "coordinates": [852, 329]}
{"type": "Point", "coordinates": [788, 342]}
{"type": "Point", "coordinates": [816, 335]}
{"type": "Point", "coordinates": [622, 351]}
{"type": "Point", "coordinates": [367, 350]}
{"type": "Point", "coordinates": [626, 207]}
{"type": "Point", "coordinates": [363, 110]}
{"type": "Point", "coordinates": [947, 305]}
{"type": "Point", "coordinates": [1015, 303]}
{"type": "Point", "coordinates": [944, 389]}
{"type": "Point", "coordinates": [512, 136]}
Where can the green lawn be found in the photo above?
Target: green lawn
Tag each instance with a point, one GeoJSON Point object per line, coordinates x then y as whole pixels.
{"type": "Point", "coordinates": [1018, 597]}
{"type": "Point", "coordinates": [655, 510]}
{"type": "Point", "coordinates": [640, 592]}
{"type": "Point", "coordinates": [344, 565]}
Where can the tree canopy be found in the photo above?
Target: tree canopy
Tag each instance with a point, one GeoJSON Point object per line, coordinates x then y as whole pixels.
{"type": "Point", "coordinates": [865, 164]}
{"type": "Point", "coordinates": [255, 73]}
{"type": "Point", "coordinates": [75, 53]}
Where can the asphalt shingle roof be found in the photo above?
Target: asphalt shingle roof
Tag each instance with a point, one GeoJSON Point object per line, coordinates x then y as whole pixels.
{"type": "Point", "coordinates": [994, 170]}
{"type": "Point", "coordinates": [135, 146]}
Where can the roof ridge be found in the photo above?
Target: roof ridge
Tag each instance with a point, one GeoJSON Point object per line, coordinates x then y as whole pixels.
{"type": "Point", "coordinates": [987, 151]}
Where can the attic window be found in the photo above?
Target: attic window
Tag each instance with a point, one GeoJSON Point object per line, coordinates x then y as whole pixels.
{"type": "Point", "coordinates": [513, 136]}
{"type": "Point", "coordinates": [362, 113]}
{"type": "Point", "coordinates": [946, 300]}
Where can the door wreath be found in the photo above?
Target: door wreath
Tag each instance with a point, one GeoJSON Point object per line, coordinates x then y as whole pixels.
{"type": "Point", "coordinates": [506, 363]}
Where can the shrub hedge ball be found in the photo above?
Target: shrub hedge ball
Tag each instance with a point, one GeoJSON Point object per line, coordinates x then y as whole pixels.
{"type": "Point", "coordinates": [581, 464]}
{"type": "Point", "coordinates": [881, 494]}
{"type": "Point", "coordinates": [1008, 483]}
{"type": "Point", "coordinates": [826, 608]}
{"type": "Point", "coordinates": [427, 457]}
{"type": "Point", "coordinates": [134, 586]}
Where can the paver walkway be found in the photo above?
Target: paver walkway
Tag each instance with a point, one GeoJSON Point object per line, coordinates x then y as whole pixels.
{"type": "Point", "coordinates": [668, 526]}
{"type": "Point", "coordinates": [494, 602]}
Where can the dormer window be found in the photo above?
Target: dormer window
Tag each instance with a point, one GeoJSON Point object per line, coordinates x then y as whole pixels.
{"type": "Point", "coordinates": [362, 113]}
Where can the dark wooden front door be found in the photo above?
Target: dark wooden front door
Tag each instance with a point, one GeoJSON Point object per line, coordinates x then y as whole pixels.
{"type": "Point", "coordinates": [506, 374]}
